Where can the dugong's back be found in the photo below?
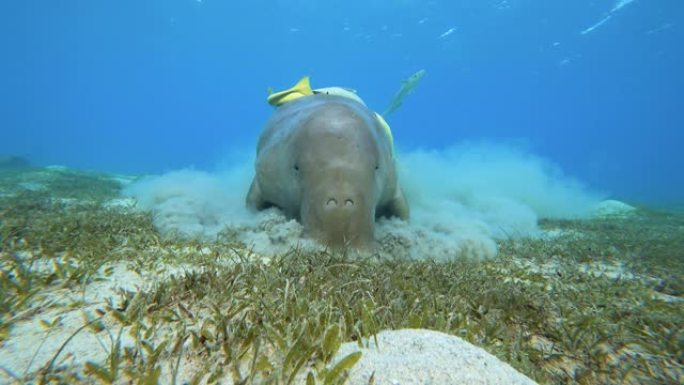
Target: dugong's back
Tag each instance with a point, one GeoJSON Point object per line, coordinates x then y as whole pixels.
{"type": "Point", "coordinates": [290, 117]}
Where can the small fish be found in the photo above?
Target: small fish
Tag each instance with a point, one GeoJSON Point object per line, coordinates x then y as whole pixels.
{"type": "Point", "coordinates": [620, 4]}
{"type": "Point", "coordinates": [598, 24]}
{"type": "Point", "coordinates": [448, 32]}
{"type": "Point", "coordinates": [503, 5]}
{"type": "Point", "coordinates": [658, 29]}
{"type": "Point", "coordinates": [407, 86]}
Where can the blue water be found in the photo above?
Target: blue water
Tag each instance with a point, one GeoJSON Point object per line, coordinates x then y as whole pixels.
{"type": "Point", "coordinates": [151, 86]}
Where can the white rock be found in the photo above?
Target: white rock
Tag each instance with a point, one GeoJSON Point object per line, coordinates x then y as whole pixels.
{"type": "Point", "coordinates": [57, 167]}
{"type": "Point", "coordinates": [613, 209]}
{"type": "Point", "coordinates": [425, 357]}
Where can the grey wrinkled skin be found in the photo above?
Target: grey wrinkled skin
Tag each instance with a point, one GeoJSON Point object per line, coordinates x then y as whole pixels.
{"type": "Point", "coordinates": [326, 161]}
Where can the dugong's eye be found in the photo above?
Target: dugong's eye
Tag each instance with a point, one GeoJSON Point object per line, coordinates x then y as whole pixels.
{"type": "Point", "coordinates": [296, 167]}
{"type": "Point", "coordinates": [377, 168]}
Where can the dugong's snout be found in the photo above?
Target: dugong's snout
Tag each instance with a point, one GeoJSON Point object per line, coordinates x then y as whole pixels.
{"type": "Point", "coordinates": [340, 216]}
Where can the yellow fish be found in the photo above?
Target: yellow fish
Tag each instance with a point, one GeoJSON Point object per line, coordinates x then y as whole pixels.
{"type": "Point", "coordinates": [302, 88]}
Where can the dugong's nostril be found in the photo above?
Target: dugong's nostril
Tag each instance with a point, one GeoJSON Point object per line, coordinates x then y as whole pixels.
{"type": "Point", "coordinates": [349, 203]}
{"type": "Point", "coordinates": [331, 202]}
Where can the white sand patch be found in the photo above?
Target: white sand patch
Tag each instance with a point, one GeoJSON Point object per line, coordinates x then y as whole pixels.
{"type": "Point", "coordinates": [616, 270]}
{"type": "Point", "coordinates": [123, 180]}
{"type": "Point", "coordinates": [667, 298]}
{"type": "Point", "coordinates": [32, 186]}
{"type": "Point", "coordinates": [552, 234]}
{"type": "Point", "coordinates": [120, 203]}
{"type": "Point", "coordinates": [31, 346]}
{"type": "Point", "coordinates": [70, 202]}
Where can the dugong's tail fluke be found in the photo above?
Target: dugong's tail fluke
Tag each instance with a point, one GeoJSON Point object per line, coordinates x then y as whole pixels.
{"type": "Point", "coordinates": [407, 86]}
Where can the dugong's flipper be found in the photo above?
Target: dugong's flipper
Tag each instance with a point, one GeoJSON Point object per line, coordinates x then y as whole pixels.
{"type": "Point", "coordinates": [397, 207]}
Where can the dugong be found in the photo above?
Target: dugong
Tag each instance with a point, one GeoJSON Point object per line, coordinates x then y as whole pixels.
{"type": "Point", "coordinates": [326, 161]}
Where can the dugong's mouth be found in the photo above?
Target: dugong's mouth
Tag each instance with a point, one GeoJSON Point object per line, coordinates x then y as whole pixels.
{"type": "Point", "coordinates": [339, 221]}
